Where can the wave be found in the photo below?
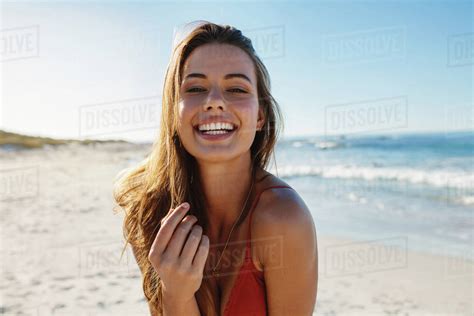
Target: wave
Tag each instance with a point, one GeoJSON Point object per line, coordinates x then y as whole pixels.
{"type": "Point", "coordinates": [461, 181]}
{"type": "Point", "coordinates": [466, 200]}
{"type": "Point", "coordinates": [462, 141]}
{"type": "Point", "coordinates": [328, 145]}
{"type": "Point", "coordinates": [317, 144]}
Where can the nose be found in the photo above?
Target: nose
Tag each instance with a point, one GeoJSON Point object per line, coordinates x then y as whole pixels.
{"type": "Point", "coordinates": [214, 100]}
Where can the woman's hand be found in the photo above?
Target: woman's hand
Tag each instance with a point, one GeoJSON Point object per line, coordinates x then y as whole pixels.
{"type": "Point", "coordinates": [181, 272]}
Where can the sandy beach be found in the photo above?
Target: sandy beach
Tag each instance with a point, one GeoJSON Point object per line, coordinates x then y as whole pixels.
{"type": "Point", "coordinates": [390, 280]}
{"type": "Point", "coordinates": [61, 244]}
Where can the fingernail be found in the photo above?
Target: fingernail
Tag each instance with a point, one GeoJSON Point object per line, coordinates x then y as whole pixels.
{"type": "Point", "coordinates": [185, 205]}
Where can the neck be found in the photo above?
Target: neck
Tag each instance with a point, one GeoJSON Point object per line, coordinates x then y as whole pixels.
{"type": "Point", "coordinates": [226, 187]}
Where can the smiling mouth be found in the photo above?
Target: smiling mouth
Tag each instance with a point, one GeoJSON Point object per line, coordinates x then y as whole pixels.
{"type": "Point", "coordinates": [215, 132]}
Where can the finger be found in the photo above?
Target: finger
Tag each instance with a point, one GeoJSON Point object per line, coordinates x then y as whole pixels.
{"type": "Point", "coordinates": [170, 211]}
{"type": "Point", "coordinates": [191, 245]}
{"type": "Point", "coordinates": [166, 216]}
{"type": "Point", "coordinates": [201, 254]}
{"type": "Point", "coordinates": [167, 228]}
{"type": "Point", "coordinates": [175, 245]}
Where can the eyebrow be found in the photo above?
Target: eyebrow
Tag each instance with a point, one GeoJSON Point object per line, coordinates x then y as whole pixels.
{"type": "Point", "coordinates": [226, 77]}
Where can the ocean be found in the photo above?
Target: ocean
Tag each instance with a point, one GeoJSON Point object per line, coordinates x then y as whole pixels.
{"type": "Point", "coordinates": [418, 188]}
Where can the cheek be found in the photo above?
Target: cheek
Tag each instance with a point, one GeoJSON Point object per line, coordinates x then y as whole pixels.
{"type": "Point", "coordinates": [249, 116]}
{"type": "Point", "coordinates": [184, 126]}
{"type": "Point", "coordinates": [185, 114]}
{"type": "Point", "coordinates": [182, 111]}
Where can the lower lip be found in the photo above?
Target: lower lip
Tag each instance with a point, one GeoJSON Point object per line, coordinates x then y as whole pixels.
{"type": "Point", "coordinates": [215, 137]}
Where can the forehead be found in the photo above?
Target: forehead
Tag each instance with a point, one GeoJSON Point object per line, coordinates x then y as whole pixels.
{"type": "Point", "coordinates": [219, 60]}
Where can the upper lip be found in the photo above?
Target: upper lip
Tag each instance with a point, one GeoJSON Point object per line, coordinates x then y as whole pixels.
{"type": "Point", "coordinates": [209, 121]}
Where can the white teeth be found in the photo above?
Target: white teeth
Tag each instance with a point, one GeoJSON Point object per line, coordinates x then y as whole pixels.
{"type": "Point", "coordinates": [215, 132]}
{"type": "Point", "coordinates": [215, 126]}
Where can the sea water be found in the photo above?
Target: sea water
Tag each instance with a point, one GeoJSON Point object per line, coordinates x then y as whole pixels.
{"type": "Point", "coordinates": [418, 188]}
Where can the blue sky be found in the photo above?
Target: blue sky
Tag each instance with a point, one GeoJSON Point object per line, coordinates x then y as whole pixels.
{"type": "Point", "coordinates": [100, 55]}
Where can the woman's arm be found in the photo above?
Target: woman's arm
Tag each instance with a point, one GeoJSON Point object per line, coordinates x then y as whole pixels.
{"type": "Point", "coordinates": [290, 256]}
{"type": "Point", "coordinates": [172, 307]}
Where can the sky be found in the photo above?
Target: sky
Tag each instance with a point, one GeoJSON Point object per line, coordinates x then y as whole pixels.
{"type": "Point", "coordinates": [82, 70]}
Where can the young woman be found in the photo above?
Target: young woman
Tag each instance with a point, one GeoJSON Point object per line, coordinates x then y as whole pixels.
{"type": "Point", "coordinates": [212, 231]}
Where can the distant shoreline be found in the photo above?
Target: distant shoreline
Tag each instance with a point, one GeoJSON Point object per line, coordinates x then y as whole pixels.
{"type": "Point", "coordinates": [21, 141]}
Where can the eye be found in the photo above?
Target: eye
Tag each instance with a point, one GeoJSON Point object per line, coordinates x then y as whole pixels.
{"type": "Point", "coordinates": [238, 90]}
{"type": "Point", "coordinates": [195, 89]}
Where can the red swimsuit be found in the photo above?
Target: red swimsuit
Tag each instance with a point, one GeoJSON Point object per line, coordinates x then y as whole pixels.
{"type": "Point", "coordinates": [248, 296]}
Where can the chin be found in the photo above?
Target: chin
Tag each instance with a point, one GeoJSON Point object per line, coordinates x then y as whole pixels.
{"type": "Point", "coordinates": [214, 157]}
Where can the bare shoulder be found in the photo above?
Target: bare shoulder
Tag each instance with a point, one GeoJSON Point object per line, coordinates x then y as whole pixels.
{"type": "Point", "coordinates": [279, 206]}
{"type": "Point", "coordinates": [286, 250]}
{"type": "Point", "coordinates": [281, 213]}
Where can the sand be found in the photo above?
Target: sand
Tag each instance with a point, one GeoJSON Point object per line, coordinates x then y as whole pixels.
{"type": "Point", "coordinates": [389, 279]}
{"type": "Point", "coordinates": [60, 248]}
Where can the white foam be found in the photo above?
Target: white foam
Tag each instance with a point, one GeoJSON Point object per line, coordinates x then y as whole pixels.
{"type": "Point", "coordinates": [327, 145]}
{"type": "Point", "coordinates": [449, 179]}
{"type": "Point", "coordinates": [467, 200]}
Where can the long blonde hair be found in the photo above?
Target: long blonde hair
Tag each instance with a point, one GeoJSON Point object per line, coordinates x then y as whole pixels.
{"type": "Point", "coordinates": [168, 176]}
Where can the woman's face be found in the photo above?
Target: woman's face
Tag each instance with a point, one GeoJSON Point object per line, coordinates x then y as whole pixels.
{"type": "Point", "coordinates": [219, 85]}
